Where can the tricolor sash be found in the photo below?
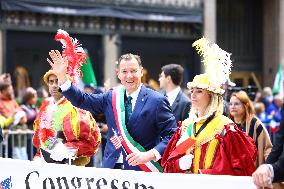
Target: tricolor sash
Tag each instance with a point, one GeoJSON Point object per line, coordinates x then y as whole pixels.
{"type": "Point", "coordinates": [128, 143]}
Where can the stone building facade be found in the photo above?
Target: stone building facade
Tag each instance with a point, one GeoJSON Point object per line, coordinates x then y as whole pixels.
{"type": "Point", "coordinates": [161, 31]}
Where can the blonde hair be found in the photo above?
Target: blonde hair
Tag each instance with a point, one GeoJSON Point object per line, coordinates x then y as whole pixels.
{"type": "Point", "coordinates": [216, 106]}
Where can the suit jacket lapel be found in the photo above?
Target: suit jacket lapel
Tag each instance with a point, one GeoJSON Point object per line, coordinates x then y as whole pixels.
{"type": "Point", "coordinates": [140, 102]}
{"type": "Point", "coordinates": [174, 105]}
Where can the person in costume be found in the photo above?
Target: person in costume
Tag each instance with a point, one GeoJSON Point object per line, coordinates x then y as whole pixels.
{"type": "Point", "coordinates": [241, 111]}
{"type": "Point", "coordinates": [208, 142]}
{"type": "Point", "coordinates": [63, 131]}
{"type": "Point", "coordinates": [140, 120]}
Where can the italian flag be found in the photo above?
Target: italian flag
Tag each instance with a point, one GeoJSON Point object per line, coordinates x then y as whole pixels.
{"type": "Point", "coordinates": [278, 81]}
{"type": "Point", "coordinates": [88, 72]}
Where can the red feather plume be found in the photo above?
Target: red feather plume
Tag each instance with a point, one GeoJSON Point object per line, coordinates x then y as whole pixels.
{"type": "Point", "coordinates": [74, 53]}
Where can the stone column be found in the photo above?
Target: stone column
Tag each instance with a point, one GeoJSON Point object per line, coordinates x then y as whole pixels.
{"type": "Point", "coordinates": [210, 22]}
{"type": "Point", "coordinates": [271, 41]}
{"type": "Point", "coordinates": [111, 49]}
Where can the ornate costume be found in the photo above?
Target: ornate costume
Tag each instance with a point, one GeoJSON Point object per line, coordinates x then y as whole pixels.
{"type": "Point", "coordinates": [76, 127]}
{"type": "Point", "coordinates": [61, 128]}
{"type": "Point", "coordinates": [220, 148]}
{"type": "Point", "coordinates": [208, 142]}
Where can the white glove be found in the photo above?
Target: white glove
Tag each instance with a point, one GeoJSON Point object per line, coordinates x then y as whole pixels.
{"type": "Point", "coordinates": [59, 152]}
{"type": "Point", "coordinates": [185, 162]}
{"type": "Point", "coordinates": [38, 160]}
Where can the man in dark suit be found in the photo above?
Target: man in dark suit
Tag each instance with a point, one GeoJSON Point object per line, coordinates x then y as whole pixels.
{"type": "Point", "coordinates": [139, 127]}
{"type": "Point", "coordinates": [170, 80]}
{"type": "Point", "coordinates": [273, 170]}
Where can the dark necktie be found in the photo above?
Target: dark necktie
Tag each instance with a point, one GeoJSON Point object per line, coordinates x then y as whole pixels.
{"type": "Point", "coordinates": [128, 109]}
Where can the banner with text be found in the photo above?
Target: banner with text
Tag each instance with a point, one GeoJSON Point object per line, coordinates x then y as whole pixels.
{"type": "Point", "coordinates": [19, 174]}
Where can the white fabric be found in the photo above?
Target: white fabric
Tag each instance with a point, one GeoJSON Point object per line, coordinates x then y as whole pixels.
{"type": "Point", "coordinates": [185, 162]}
{"type": "Point", "coordinates": [66, 85]}
{"type": "Point", "coordinates": [271, 170]}
{"type": "Point", "coordinates": [18, 116]}
{"type": "Point", "coordinates": [60, 151]}
{"type": "Point", "coordinates": [173, 95]}
{"type": "Point", "coordinates": [120, 158]}
{"type": "Point", "coordinates": [157, 154]}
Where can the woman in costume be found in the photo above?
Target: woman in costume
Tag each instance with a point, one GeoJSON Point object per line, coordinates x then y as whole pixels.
{"type": "Point", "coordinates": [63, 131]}
{"type": "Point", "coordinates": [208, 142]}
{"type": "Point", "coordinates": [241, 111]}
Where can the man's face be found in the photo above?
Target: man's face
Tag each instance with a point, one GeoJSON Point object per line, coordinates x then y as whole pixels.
{"type": "Point", "coordinates": [130, 74]}
{"type": "Point", "coordinates": [53, 87]}
{"type": "Point", "coordinates": [163, 80]}
{"type": "Point", "coordinates": [8, 93]}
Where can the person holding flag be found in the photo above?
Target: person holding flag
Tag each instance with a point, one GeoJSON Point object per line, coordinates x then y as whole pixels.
{"type": "Point", "coordinates": [141, 116]}
{"type": "Point", "coordinates": [208, 142]}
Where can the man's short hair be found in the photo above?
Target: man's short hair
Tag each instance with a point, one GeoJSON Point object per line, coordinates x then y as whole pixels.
{"type": "Point", "coordinates": [129, 56]}
{"type": "Point", "coordinates": [175, 71]}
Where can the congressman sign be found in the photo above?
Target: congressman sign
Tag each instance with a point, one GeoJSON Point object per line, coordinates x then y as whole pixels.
{"type": "Point", "coordinates": [20, 174]}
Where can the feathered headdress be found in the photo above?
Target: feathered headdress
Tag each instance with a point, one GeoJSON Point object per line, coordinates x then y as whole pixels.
{"type": "Point", "coordinates": [217, 65]}
{"type": "Point", "coordinates": [74, 53]}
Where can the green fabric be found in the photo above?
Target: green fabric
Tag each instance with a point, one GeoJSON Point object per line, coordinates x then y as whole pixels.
{"type": "Point", "coordinates": [189, 129]}
{"type": "Point", "coordinates": [88, 73]}
{"type": "Point", "coordinates": [59, 114]}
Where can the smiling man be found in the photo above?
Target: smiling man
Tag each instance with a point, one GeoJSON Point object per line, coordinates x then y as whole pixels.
{"type": "Point", "coordinates": [140, 120]}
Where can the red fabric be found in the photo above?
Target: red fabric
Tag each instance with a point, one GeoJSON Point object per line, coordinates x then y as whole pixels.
{"type": "Point", "coordinates": [202, 156]}
{"type": "Point", "coordinates": [170, 159]}
{"type": "Point", "coordinates": [36, 142]}
{"type": "Point", "coordinates": [185, 145]}
{"type": "Point", "coordinates": [88, 140]}
{"type": "Point", "coordinates": [73, 52]}
{"type": "Point", "coordinates": [8, 107]}
{"type": "Point", "coordinates": [235, 155]}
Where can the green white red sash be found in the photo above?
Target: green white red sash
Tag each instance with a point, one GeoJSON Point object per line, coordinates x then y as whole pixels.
{"type": "Point", "coordinates": [128, 142]}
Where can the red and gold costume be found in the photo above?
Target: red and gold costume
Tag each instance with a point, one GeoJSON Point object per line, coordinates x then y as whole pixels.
{"type": "Point", "coordinates": [219, 149]}
{"type": "Point", "coordinates": [77, 125]}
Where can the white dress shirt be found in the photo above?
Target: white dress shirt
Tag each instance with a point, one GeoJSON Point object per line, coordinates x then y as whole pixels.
{"type": "Point", "coordinates": [173, 95]}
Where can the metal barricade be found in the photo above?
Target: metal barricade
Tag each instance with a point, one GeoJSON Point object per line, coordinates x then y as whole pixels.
{"type": "Point", "coordinates": [17, 144]}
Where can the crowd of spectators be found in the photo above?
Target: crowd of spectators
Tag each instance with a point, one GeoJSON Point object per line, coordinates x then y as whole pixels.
{"type": "Point", "coordinates": [18, 114]}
